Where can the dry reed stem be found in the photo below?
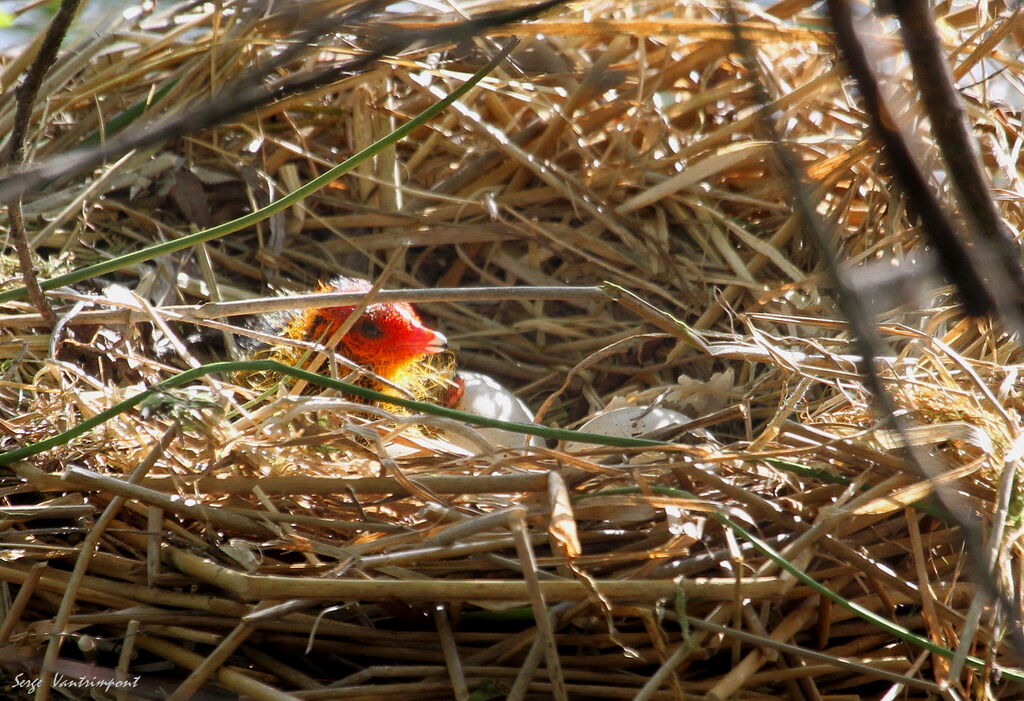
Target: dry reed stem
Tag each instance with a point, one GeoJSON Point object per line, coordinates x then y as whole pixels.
{"type": "Point", "coordinates": [620, 145]}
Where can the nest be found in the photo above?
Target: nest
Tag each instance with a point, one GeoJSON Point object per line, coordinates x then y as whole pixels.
{"type": "Point", "coordinates": [213, 543]}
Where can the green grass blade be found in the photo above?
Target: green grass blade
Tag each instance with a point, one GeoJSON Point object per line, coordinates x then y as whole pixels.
{"type": "Point", "coordinates": [259, 215]}
{"type": "Point", "coordinates": [882, 623]}
{"type": "Point", "coordinates": [314, 378]}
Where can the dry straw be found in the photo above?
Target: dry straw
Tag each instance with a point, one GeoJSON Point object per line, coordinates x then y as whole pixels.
{"type": "Point", "coordinates": [284, 549]}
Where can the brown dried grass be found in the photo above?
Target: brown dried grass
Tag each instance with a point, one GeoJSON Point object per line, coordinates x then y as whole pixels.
{"type": "Point", "coordinates": [278, 550]}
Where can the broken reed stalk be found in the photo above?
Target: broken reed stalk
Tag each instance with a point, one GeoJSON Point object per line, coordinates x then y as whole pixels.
{"type": "Point", "coordinates": [610, 160]}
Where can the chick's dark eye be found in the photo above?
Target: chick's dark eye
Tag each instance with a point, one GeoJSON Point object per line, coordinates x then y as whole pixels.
{"type": "Point", "coordinates": [369, 329]}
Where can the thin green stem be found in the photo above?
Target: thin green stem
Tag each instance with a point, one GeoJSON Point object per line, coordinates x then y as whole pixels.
{"type": "Point", "coordinates": [259, 215]}
{"type": "Point", "coordinates": [273, 366]}
{"type": "Point", "coordinates": [855, 608]}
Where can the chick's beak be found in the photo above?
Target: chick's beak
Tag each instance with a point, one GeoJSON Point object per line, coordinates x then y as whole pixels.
{"type": "Point", "coordinates": [437, 343]}
{"type": "Point", "coordinates": [427, 341]}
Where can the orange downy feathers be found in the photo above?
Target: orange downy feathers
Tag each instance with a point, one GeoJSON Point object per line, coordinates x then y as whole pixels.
{"type": "Point", "coordinates": [389, 339]}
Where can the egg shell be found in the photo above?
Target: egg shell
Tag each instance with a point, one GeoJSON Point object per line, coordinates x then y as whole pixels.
{"type": "Point", "coordinates": [628, 422]}
{"type": "Point", "coordinates": [484, 396]}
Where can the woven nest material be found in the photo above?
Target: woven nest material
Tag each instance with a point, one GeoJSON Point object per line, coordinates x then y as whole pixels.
{"type": "Point", "coordinates": [215, 543]}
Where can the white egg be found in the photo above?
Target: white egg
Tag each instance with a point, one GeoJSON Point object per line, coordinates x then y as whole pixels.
{"type": "Point", "coordinates": [628, 422]}
{"type": "Point", "coordinates": [484, 396]}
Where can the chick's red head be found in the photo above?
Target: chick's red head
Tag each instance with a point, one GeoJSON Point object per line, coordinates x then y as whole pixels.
{"type": "Point", "coordinates": [386, 338]}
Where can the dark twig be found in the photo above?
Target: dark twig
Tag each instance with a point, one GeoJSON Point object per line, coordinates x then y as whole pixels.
{"type": "Point", "coordinates": [921, 201]}
{"type": "Point", "coordinates": [989, 243]}
{"type": "Point", "coordinates": [865, 337]}
{"type": "Point", "coordinates": [251, 92]}
{"type": "Point", "coordinates": [27, 263]}
{"type": "Point", "coordinates": [26, 94]}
